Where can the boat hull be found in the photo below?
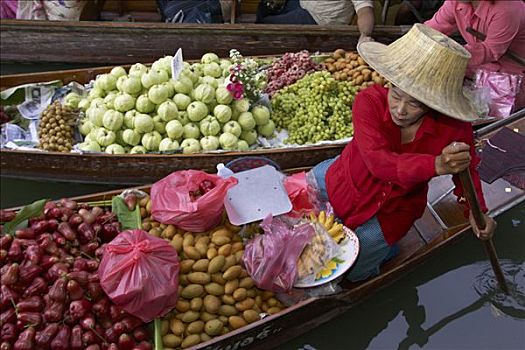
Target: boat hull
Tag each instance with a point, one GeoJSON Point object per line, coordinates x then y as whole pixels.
{"type": "Point", "coordinates": [127, 43]}
{"type": "Point", "coordinates": [143, 168]}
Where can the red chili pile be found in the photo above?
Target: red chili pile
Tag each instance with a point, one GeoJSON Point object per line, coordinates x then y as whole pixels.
{"type": "Point", "coordinates": [51, 297]}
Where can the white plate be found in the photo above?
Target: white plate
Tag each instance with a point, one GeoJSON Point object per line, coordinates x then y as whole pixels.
{"type": "Point", "coordinates": [349, 253]}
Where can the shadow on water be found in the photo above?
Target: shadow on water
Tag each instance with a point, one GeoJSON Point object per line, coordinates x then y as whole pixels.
{"type": "Point", "coordinates": [449, 302]}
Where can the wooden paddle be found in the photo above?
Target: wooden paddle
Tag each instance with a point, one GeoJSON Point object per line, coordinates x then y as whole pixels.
{"type": "Point", "coordinates": [472, 198]}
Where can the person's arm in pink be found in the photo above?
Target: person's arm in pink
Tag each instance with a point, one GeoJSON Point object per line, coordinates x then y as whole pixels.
{"type": "Point", "coordinates": [444, 20]}
{"type": "Point", "coordinates": [503, 29]}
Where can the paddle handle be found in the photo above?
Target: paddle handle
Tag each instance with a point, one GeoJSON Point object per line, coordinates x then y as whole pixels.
{"type": "Point", "coordinates": [490, 249]}
{"type": "Point", "coordinates": [472, 198]}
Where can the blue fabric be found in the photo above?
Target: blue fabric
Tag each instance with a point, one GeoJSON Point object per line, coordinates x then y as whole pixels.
{"type": "Point", "coordinates": [374, 250]}
{"type": "Point", "coordinates": [319, 172]}
{"type": "Point", "coordinates": [292, 13]}
{"type": "Point", "coordinates": [190, 11]}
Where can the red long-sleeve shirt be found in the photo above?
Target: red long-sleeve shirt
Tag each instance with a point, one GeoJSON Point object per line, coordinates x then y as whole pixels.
{"type": "Point", "coordinates": [377, 175]}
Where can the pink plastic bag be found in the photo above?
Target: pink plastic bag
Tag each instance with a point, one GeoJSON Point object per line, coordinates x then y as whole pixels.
{"type": "Point", "coordinates": [501, 88]}
{"type": "Point", "coordinates": [297, 189]}
{"type": "Point", "coordinates": [190, 199]}
{"type": "Point", "coordinates": [8, 9]}
{"type": "Point", "coordinates": [271, 258]}
{"type": "Point", "coordinates": [140, 273]}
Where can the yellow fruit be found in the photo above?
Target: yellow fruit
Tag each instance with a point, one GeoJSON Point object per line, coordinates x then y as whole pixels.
{"type": "Point", "coordinates": [329, 222]}
{"type": "Point", "coordinates": [322, 217]}
{"type": "Point", "coordinates": [335, 230]}
{"type": "Point", "coordinates": [339, 237]}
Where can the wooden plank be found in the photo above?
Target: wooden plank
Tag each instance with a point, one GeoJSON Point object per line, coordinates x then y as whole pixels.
{"type": "Point", "coordinates": [501, 193]}
{"type": "Point", "coordinates": [115, 43]}
{"type": "Point", "coordinates": [450, 211]}
{"type": "Point", "coordinates": [408, 245]}
{"type": "Point", "coordinates": [439, 186]}
{"type": "Point", "coordinates": [428, 226]}
{"type": "Point", "coordinates": [142, 168]}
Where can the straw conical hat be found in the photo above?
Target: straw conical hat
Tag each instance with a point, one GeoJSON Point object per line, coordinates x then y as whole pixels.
{"type": "Point", "coordinates": [428, 66]}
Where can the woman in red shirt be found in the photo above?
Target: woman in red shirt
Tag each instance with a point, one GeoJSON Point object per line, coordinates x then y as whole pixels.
{"type": "Point", "coordinates": [403, 137]}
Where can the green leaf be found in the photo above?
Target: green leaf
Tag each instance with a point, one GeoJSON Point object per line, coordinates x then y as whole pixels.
{"type": "Point", "coordinates": [338, 261]}
{"type": "Point", "coordinates": [129, 220]}
{"type": "Point", "coordinates": [32, 210]}
{"type": "Point", "coordinates": [158, 334]}
{"type": "Point", "coordinates": [319, 58]}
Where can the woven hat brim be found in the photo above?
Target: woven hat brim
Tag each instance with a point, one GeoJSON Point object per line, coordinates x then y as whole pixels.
{"type": "Point", "coordinates": [454, 105]}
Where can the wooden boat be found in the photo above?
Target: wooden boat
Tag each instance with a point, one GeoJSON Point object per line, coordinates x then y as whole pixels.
{"type": "Point", "coordinates": [112, 43]}
{"type": "Point", "coordinates": [141, 168]}
{"type": "Point", "coordinates": [129, 169]}
{"type": "Point", "coordinates": [442, 224]}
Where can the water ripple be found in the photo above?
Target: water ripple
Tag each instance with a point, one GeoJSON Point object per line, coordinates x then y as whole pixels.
{"type": "Point", "coordinates": [486, 285]}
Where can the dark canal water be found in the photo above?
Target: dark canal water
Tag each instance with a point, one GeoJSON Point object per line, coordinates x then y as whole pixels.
{"type": "Point", "coordinates": [444, 304]}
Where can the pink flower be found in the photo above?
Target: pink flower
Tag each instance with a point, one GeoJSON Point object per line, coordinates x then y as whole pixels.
{"type": "Point", "coordinates": [230, 87]}
{"type": "Point", "coordinates": [237, 95]}
{"type": "Point", "coordinates": [239, 87]}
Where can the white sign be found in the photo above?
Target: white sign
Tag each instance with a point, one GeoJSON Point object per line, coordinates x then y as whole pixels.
{"type": "Point", "coordinates": [259, 192]}
{"type": "Point", "coordinates": [177, 64]}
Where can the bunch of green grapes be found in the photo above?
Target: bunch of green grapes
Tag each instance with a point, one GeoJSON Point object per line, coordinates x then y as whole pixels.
{"type": "Point", "coordinates": [315, 108]}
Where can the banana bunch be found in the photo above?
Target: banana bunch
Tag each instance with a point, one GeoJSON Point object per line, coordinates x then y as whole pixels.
{"type": "Point", "coordinates": [335, 229]}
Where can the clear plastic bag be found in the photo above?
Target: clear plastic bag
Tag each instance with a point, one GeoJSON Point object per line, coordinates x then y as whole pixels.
{"type": "Point", "coordinates": [190, 199]}
{"type": "Point", "coordinates": [271, 258]}
{"type": "Point", "coordinates": [501, 88]}
{"type": "Point", "coordinates": [140, 273]}
{"type": "Point", "coordinates": [316, 255]}
{"type": "Point", "coordinates": [314, 193]}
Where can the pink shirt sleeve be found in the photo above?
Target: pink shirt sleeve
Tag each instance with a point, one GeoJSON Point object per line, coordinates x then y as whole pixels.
{"type": "Point", "coordinates": [503, 29]}
{"type": "Point", "coordinates": [444, 20]}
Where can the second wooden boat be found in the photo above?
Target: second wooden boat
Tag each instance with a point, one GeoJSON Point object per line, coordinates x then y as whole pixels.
{"type": "Point", "coordinates": [141, 168]}
{"type": "Point", "coordinates": [129, 169]}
